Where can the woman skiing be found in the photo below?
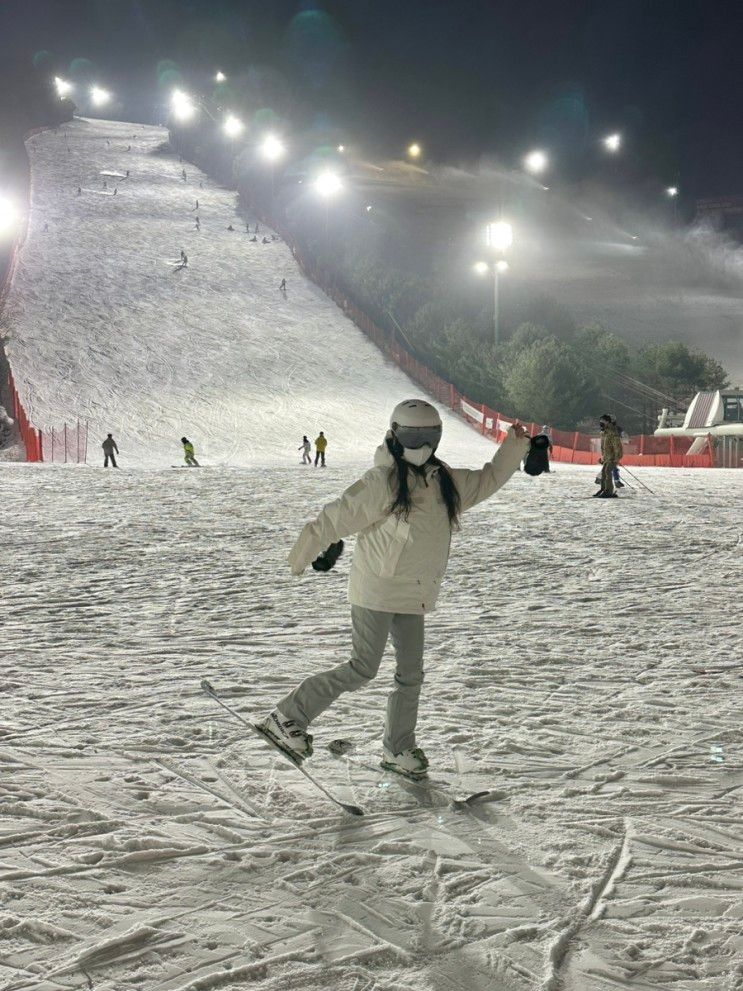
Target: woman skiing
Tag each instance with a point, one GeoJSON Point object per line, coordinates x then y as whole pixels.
{"type": "Point", "coordinates": [306, 448]}
{"type": "Point", "coordinates": [404, 510]}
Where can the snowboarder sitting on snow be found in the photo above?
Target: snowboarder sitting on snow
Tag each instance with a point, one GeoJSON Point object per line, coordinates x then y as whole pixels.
{"type": "Point", "coordinates": [405, 510]}
{"type": "Point", "coordinates": [611, 455]}
{"type": "Point", "coordinates": [306, 447]}
{"type": "Point", "coordinates": [109, 446]}
{"type": "Point", "coordinates": [265, 241]}
{"type": "Point", "coordinates": [321, 444]}
{"type": "Point", "coordinates": [189, 452]}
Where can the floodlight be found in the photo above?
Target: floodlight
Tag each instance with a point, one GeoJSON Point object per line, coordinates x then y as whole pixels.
{"type": "Point", "coordinates": [499, 235]}
{"type": "Point", "coordinates": [535, 162]}
{"type": "Point", "coordinates": [63, 87]}
{"type": "Point", "coordinates": [272, 148]}
{"type": "Point", "coordinates": [328, 184]}
{"type": "Point", "coordinates": [232, 126]}
{"type": "Point", "coordinates": [612, 142]}
{"type": "Point", "coordinates": [414, 150]}
{"type": "Point", "coordinates": [99, 96]}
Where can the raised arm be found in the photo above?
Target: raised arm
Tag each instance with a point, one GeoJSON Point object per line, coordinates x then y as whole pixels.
{"type": "Point", "coordinates": [362, 504]}
{"type": "Point", "coordinates": [479, 484]}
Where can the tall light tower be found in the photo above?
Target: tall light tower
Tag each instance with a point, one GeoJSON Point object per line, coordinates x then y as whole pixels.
{"type": "Point", "coordinates": [499, 238]}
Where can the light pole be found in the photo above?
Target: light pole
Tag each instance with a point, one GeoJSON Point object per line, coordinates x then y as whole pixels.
{"type": "Point", "coordinates": [499, 238]}
{"type": "Point", "coordinates": [327, 185]}
{"type": "Point", "coordinates": [272, 149]}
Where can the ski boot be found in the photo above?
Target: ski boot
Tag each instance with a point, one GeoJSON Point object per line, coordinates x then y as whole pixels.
{"type": "Point", "coordinates": [287, 736]}
{"type": "Point", "coordinates": [411, 764]}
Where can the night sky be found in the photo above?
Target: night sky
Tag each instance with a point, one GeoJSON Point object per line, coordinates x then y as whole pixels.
{"type": "Point", "coordinates": [466, 78]}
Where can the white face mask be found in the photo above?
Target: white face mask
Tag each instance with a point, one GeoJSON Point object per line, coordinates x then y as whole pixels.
{"type": "Point", "coordinates": [417, 456]}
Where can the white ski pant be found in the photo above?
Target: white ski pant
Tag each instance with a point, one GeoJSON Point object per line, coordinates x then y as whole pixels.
{"type": "Point", "coordinates": [370, 631]}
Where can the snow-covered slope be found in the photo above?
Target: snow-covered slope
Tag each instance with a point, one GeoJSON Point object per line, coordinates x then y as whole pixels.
{"type": "Point", "coordinates": [584, 663]}
{"type": "Point", "coordinates": [103, 327]}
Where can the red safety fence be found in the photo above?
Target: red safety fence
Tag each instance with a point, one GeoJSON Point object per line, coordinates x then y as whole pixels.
{"type": "Point", "coordinates": [571, 446]}
{"type": "Point", "coordinates": [30, 436]}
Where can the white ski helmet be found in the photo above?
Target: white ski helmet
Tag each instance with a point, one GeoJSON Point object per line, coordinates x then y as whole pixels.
{"type": "Point", "coordinates": [416, 425]}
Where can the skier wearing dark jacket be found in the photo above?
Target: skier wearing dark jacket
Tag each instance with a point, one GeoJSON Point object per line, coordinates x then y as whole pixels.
{"type": "Point", "coordinates": [109, 446]}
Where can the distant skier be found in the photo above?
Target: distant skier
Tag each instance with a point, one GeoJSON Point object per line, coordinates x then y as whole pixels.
{"type": "Point", "coordinates": [184, 261]}
{"type": "Point", "coordinates": [405, 511]}
{"type": "Point", "coordinates": [230, 227]}
{"type": "Point", "coordinates": [79, 190]}
{"type": "Point", "coordinates": [196, 207]}
{"type": "Point", "coordinates": [109, 447]}
{"type": "Point", "coordinates": [46, 227]}
{"type": "Point", "coordinates": [183, 175]}
{"type": "Point", "coordinates": [105, 184]}
{"type": "Point", "coordinates": [265, 240]}
{"type": "Point", "coordinates": [128, 147]}
{"type": "Point", "coordinates": [253, 239]}
{"type": "Point", "coordinates": [127, 173]}
{"type": "Point", "coordinates": [116, 190]}
{"type": "Point", "coordinates": [306, 448]}
{"type": "Point", "coordinates": [282, 286]}
{"type": "Point", "coordinates": [188, 451]}
{"type": "Point", "coordinates": [198, 224]}
{"type": "Point", "coordinates": [321, 444]}
{"type": "Point", "coordinates": [611, 455]}
{"type": "Point", "coordinates": [247, 227]}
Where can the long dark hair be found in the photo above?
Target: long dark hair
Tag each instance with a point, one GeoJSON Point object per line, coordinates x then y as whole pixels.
{"type": "Point", "coordinates": [402, 503]}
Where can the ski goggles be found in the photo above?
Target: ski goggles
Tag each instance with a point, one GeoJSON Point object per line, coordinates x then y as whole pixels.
{"type": "Point", "coordinates": [414, 437]}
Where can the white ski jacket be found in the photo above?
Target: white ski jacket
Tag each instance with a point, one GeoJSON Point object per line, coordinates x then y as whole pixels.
{"type": "Point", "coordinates": [398, 565]}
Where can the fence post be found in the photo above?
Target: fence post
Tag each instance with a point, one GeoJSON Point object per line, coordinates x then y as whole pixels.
{"type": "Point", "coordinates": [52, 443]}
{"type": "Point", "coordinates": [40, 441]}
{"type": "Point", "coordinates": [483, 408]}
{"type": "Point", "coordinates": [65, 442]}
{"type": "Point", "coordinates": [575, 444]}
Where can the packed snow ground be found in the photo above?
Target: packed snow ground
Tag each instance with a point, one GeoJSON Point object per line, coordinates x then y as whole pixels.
{"type": "Point", "coordinates": [584, 664]}
{"type": "Point", "coordinates": [103, 327]}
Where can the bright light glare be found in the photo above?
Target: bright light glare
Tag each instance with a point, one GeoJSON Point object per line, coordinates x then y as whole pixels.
{"type": "Point", "coordinates": [612, 142]}
{"type": "Point", "coordinates": [672, 191]}
{"type": "Point", "coordinates": [499, 235]}
{"type": "Point", "coordinates": [368, 209]}
{"type": "Point", "coordinates": [99, 96]}
{"type": "Point", "coordinates": [233, 126]}
{"type": "Point", "coordinates": [63, 87]}
{"type": "Point", "coordinates": [414, 150]}
{"type": "Point", "coordinates": [501, 266]}
{"type": "Point", "coordinates": [8, 215]}
{"type": "Point", "coordinates": [272, 148]}
{"type": "Point", "coordinates": [328, 184]}
{"type": "Point", "coordinates": [535, 162]}
{"type": "Point", "coordinates": [341, 148]}
{"type": "Point", "coordinates": [183, 107]}
{"type": "Point", "coordinates": [220, 77]}
{"type": "Point", "coordinates": [481, 268]}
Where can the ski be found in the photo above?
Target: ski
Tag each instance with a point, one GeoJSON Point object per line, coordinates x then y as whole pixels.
{"type": "Point", "coordinates": [353, 810]}
{"type": "Point", "coordinates": [344, 749]}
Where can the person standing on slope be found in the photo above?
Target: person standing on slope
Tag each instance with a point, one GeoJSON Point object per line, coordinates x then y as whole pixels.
{"type": "Point", "coordinates": [109, 446]}
{"type": "Point", "coordinates": [405, 510]}
{"type": "Point", "coordinates": [321, 444]}
{"type": "Point", "coordinates": [611, 455]}
{"type": "Point", "coordinates": [306, 448]}
{"type": "Point", "coordinates": [189, 452]}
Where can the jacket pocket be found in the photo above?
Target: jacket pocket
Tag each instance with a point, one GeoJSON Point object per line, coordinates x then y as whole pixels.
{"type": "Point", "coordinates": [384, 545]}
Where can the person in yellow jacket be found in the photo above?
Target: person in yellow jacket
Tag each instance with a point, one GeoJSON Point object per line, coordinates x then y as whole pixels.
{"type": "Point", "coordinates": [321, 443]}
{"type": "Point", "coordinates": [189, 453]}
{"type": "Point", "coordinates": [611, 455]}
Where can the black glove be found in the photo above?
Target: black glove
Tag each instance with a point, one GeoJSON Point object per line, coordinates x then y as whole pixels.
{"type": "Point", "coordinates": [537, 459]}
{"type": "Point", "coordinates": [327, 559]}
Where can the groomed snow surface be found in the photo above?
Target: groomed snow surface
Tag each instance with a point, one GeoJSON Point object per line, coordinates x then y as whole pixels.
{"type": "Point", "coordinates": [584, 665]}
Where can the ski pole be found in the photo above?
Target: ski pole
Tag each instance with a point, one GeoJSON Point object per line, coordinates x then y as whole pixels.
{"type": "Point", "coordinates": [638, 480]}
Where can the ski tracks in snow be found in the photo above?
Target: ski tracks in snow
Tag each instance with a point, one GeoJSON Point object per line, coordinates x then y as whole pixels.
{"type": "Point", "coordinates": [146, 840]}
